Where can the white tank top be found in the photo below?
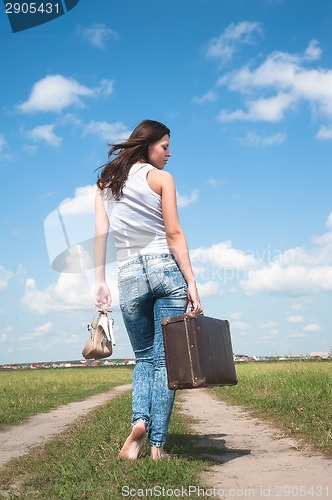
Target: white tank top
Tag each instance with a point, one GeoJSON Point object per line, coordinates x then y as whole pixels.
{"type": "Point", "coordinates": [136, 219]}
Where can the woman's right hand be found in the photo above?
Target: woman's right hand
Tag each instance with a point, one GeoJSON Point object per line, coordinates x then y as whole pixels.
{"type": "Point", "coordinates": [103, 298]}
{"type": "Point", "coordinates": [194, 301]}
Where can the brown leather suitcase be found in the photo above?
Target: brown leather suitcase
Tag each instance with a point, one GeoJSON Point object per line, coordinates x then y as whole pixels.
{"type": "Point", "coordinates": [198, 351]}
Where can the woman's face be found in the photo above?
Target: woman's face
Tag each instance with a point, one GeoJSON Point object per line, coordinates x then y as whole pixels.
{"type": "Point", "coordinates": [159, 152]}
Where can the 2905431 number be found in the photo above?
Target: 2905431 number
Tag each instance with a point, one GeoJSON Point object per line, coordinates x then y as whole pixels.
{"type": "Point", "coordinates": [302, 491]}
{"type": "Point", "coordinates": [32, 8]}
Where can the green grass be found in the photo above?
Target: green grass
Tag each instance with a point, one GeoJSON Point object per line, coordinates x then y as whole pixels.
{"type": "Point", "coordinates": [27, 392]}
{"type": "Point", "coordinates": [294, 395]}
{"type": "Point", "coordinates": [82, 462]}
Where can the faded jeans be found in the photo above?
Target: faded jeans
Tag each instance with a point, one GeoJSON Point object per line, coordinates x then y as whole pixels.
{"type": "Point", "coordinates": [151, 287]}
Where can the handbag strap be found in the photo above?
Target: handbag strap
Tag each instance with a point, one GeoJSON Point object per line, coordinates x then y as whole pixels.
{"type": "Point", "coordinates": [94, 322]}
{"type": "Point", "coordinates": [109, 325]}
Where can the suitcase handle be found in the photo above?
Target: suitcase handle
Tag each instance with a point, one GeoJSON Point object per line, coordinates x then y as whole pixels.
{"type": "Point", "coordinates": [172, 319]}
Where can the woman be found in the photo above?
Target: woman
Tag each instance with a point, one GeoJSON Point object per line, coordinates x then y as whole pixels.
{"type": "Point", "coordinates": [136, 198]}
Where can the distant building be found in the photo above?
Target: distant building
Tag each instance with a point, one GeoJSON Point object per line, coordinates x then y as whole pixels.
{"type": "Point", "coordinates": [243, 357]}
{"type": "Point", "coordinates": [319, 355]}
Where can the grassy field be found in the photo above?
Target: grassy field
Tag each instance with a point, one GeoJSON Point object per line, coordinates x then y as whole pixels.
{"type": "Point", "coordinates": [82, 461]}
{"type": "Point", "coordinates": [297, 396]}
{"type": "Point", "coordinates": [27, 392]}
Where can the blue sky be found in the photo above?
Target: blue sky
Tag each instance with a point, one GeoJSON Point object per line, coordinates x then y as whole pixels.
{"type": "Point", "coordinates": [246, 89]}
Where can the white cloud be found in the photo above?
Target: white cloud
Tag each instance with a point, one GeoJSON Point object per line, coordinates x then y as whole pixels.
{"type": "Point", "coordinates": [56, 92]}
{"type": "Point", "coordinates": [312, 327]}
{"type": "Point", "coordinates": [45, 338]}
{"type": "Point", "coordinates": [30, 149]}
{"type": "Point", "coordinates": [105, 87]}
{"type": "Point", "coordinates": [241, 325]}
{"type": "Point", "coordinates": [208, 289]}
{"type": "Point", "coordinates": [296, 271]}
{"type": "Point", "coordinates": [329, 221]}
{"type": "Point", "coordinates": [184, 200]}
{"type": "Point", "coordinates": [269, 327]}
{"type": "Point", "coordinates": [210, 96]}
{"type": "Point", "coordinates": [325, 133]}
{"type": "Point", "coordinates": [71, 292]}
{"type": "Point", "coordinates": [255, 140]}
{"type": "Point", "coordinates": [5, 277]}
{"type": "Point", "coordinates": [270, 109]}
{"type": "Point", "coordinates": [98, 34]}
{"type": "Point", "coordinates": [82, 203]}
{"type": "Point", "coordinates": [236, 315]}
{"type": "Point", "coordinates": [45, 133]}
{"type": "Point", "coordinates": [297, 335]}
{"type": "Point", "coordinates": [295, 319]}
{"type": "Point", "coordinates": [323, 239]}
{"type": "Point", "coordinates": [290, 280]}
{"type": "Point", "coordinates": [313, 52]}
{"type": "Point", "coordinates": [213, 182]}
{"type": "Point", "coordinates": [223, 256]}
{"type": "Point", "coordinates": [69, 231]}
{"type": "Point", "coordinates": [3, 142]}
{"type": "Point", "coordinates": [323, 243]}
{"type": "Point", "coordinates": [296, 256]}
{"type": "Point", "coordinates": [290, 77]}
{"type": "Point", "coordinates": [38, 333]}
{"type": "Point", "coordinates": [3, 338]}
{"type": "Point", "coordinates": [109, 132]}
{"type": "Point", "coordinates": [281, 70]}
{"type": "Point", "coordinates": [297, 306]}
{"type": "Point", "coordinates": [49, 194]}
{"type": "Point", "coordinates": [225, 45]}
{"type": "Point", "coordinates": [3, 146]}
{"type": "Point", "coordinates": [4, 334]}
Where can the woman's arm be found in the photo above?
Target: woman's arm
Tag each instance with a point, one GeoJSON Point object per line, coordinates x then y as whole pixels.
{"type": "Point", "coordinates": [163, 183]}
{"type": "Point", "coordinates": [102, 292]}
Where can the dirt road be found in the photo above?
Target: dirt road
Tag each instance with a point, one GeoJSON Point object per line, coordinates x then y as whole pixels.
{"type": "Point", "coordinates": [18, 440]}
{"type": "Point", "coordinates": [250, 458]}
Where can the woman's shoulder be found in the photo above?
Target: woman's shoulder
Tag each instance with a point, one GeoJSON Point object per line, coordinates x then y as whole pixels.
{"type": "Point", "coordinates": [159, 179]}
{"type": "Point", "coordinates": [163, 175]}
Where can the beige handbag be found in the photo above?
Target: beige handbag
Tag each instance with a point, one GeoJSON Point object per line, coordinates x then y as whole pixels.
{"type": "Point", "coordinates": [101, 342]}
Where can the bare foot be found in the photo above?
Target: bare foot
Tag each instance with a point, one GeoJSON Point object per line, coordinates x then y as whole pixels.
{"type": "Point", "coordinates": [158, 453]}
{"type": "Point", "coordinates": [134, 442]}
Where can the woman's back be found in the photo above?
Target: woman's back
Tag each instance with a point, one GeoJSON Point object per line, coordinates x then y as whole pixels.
{"type": "Point", "coordinates": [136, 219]}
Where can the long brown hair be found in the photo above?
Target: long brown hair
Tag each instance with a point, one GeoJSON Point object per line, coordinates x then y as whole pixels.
{"type": "Point", "coordinates": [133, 150]}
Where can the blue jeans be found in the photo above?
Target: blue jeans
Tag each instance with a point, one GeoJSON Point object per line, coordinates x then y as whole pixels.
{"type": "Point", "coordinates": [151, 287]}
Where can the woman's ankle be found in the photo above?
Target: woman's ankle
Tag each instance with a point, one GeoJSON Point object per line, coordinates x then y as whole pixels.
{"type": "Point", "coordinates": [134, 442]}
{"type": "Point", "coordinates": [158, 453]}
